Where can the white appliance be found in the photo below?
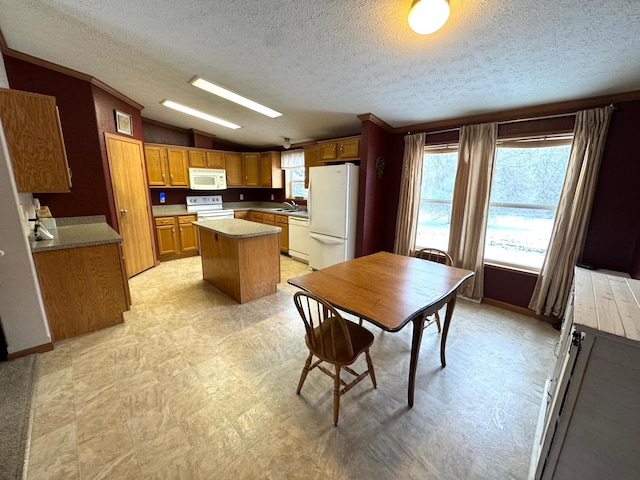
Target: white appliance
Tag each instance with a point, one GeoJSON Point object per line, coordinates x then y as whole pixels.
{"type": "Point", "coordinates": [208, 207]}
{"type": "Point", "coordinates": [299, 238]}
{"type": "Point", "coordinates": [207, 179]}
{"type": "Point", "coordinates": [333, 211]}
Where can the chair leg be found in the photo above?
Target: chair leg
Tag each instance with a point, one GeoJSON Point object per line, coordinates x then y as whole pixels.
{"type": "Point", "coordinates": [336, 397]}
{"type": "Point", "coordinates": [303, 375]}
{"type": "Point", "coordinates": [372, 374]}
{"type": "Point", "coordinates": [438, 322]}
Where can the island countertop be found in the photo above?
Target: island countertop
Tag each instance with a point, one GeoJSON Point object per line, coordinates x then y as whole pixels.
{"type": "Point", "coordinates": [73, 236]}
{"type": "Point", "coordinates": [236, 228]}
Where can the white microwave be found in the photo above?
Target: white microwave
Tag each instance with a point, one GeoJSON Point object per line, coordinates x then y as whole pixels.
{"type": "Point", "coordinates": [207, 179]}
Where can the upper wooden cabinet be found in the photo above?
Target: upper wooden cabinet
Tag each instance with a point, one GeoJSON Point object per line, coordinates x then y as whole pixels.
{"type": "Point", "coordinates": [341, 149]}
{"type": "Point", "coordinates": [311, 159]}
{"type": "Point", "coordinates": [203, 158]}
{"type": "Point", "coordinates": [34, 139]}
{"type": "Point", "coordinates": [197, 158]}
{"type": "Point", "coordinates": [270, 170]}
{"type": "Point", "coordinates": [215, 159]}
{"type": "Point", "coordinates": [167, 166]}
{"type": "Point", "coordinates": [233, 165]}
{"type": "Point", "coordinates": [251, 169]}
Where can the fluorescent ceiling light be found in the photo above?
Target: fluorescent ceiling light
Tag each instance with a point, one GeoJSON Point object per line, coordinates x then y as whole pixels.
{"type": "Point", "coordinates": [199, 114]}
{"type": "Point", "coordinates": [233, 97]}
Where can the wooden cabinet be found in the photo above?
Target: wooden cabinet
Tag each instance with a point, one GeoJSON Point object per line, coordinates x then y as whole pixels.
{"type": "Point", "coordinates": [215, 159]}
{"type": "Point", "coordinates": [270, 170]}
{"type": "Point", "coordinates": [341, 149]}
{"type": "Point", "coordinates": [233, 165]}
{"type": "Point", "coordinates": [34, 139]}
{"type": "Point", "coordinates": [251, 169]}
{"type": "Point", "coordinates": [256, 216]}
{"type": "Point", "coordinates": [242, 214]}
{"type": "Point", "coordinates": [83, 288]}
{"type": "Point", "coordinates": [282, 221]}
{"type": "Point", "coordinates": [591, 411]}
{"type": "Point", "coordinates": [177, 237]}
{"type": "Point", "coordinates": [167, 166]}
{"type": "Point", "coordinates": [203, 158]}
{"type": "Point", "coordinates": [311, 159]}
{"type": "Point", "coordinates": [269, 219]}
{"type": "Point", "coordinates": [197, 158]}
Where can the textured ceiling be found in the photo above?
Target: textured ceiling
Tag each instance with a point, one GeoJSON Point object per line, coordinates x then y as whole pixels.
{"type": "Point", "coordinates": [323, 62]}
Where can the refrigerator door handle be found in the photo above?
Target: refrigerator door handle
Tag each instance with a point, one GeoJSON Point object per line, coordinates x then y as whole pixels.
{"type": "Point", "coordinates": [325, 239]}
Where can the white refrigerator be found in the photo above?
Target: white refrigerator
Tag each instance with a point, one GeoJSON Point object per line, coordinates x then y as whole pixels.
{"type": "Point", "coordinates": [333, 212]}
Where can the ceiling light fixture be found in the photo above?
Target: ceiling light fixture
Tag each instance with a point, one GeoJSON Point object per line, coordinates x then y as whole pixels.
{"type": "Point", "coordinates": [287, 143]}
{"type": "Point", "coordinates": [428, 16]}
{"type": "Point", "coordinates": [233, 97]}
{"type": "Point", "coordinates": [199, 114]}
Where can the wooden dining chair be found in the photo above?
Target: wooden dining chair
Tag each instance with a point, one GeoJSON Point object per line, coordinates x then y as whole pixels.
{"type": "Point", "coordinates": [334, 340]}
{"type": "Point", "coordinates": [438, 256]}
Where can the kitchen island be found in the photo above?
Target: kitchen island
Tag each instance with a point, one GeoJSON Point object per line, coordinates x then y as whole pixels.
{"type": "Point", "coordinates": [240, 258]}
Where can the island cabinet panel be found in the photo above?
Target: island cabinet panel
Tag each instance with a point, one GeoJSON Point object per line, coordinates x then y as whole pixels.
{"type": "Point", "coordinates": [83, 288]}
{"type": "Point", "coordinates": [244, 268]}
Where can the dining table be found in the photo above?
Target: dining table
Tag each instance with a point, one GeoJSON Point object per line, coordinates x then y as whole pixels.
{"type": "Point", "coordinates": [389, 291]}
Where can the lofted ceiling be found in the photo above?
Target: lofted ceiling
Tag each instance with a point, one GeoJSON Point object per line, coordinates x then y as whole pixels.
{"type": "Point", "coordinates": [323, 62]}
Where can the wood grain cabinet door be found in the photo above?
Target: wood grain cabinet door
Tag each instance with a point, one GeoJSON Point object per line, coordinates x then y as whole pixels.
{"type": "Point", "coordinates": [349, 149]}
{"type": "Point", "coordinates": [166, 235]}
{"type": "Point", "coordinates": [311, 159]}
{"type": "Point", "coordinates": [34, 139]}
{"type": "Point", "coordinates": [197, 158]}
{"type": "Point", "coordinates": [156, 169]}
{"type": "Point", "coordinates": [233, 165]}
{"type": "Point", "coordinates": [178, 166]}
{"type": "Point", "coordinates": [251, 168]}
{"type": "Point", "coordinates": [328, 151]}
{"type": "Point", "coordinates": [270, 170]}
{"type": "Point", "coordinates": [188, 233]}
{"type": "Point", "coordinates": [215, 159]}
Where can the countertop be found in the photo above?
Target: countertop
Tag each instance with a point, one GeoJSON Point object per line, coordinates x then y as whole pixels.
{"type": "Point", "coordinates": [73, 236]}
{"type": "Point", "coordinates": [236, 228]}
{"type": "Point", "coordinates": [266, 207]}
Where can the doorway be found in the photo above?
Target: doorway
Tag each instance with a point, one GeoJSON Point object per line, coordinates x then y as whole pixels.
{"type": "Point", "coordinates": [129, 181]}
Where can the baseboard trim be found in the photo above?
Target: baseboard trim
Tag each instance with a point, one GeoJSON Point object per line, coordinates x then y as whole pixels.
{"type": "Point", "coordinates": [45, 347]}
{"type": "Point", "coordinates": [517, 309]}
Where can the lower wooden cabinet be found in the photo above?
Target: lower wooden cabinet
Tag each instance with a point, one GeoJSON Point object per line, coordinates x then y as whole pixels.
{"type": "Point", "coordinates": [83, 288]}
{"type": "Point", "coordinates": [256, 216]}
{"type": "Point", "coordinates": [242, 214]}
{"type": "Point", "coordinates": [177, 237]}
{"type": "Point", "coordinates": [282, 221]}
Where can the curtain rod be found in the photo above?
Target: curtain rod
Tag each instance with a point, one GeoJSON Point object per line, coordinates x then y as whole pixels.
{"type": "Point", "coordinates": [505, 122]}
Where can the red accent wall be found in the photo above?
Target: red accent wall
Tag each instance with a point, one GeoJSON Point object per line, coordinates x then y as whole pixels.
{"type": "Point", "coordinates": [613, 237]}
{"type": "Point", "coordinates": [373, 191]}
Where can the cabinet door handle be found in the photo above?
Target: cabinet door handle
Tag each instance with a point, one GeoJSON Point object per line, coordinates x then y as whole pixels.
{"type": "Point", "coordinates": [123, 211]}
{"type": "Point", "coordinates": [163, 177]}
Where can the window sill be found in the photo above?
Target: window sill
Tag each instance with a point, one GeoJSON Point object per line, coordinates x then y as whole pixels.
{"type": "Point", "coordinates": [514, 268]}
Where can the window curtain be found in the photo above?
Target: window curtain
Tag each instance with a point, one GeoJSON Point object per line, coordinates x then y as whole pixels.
{"type": "Point", "coordinates": [409, 205]}
{"type": "Point", "coordinates": [292, 159]}
{"type": "Point", "coordinates": [470, 207]}
{"type": "Point", "coordinates": [553, 286]}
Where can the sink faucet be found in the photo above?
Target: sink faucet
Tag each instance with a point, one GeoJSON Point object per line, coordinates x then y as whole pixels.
{"type": "Point", "coordinates": [291, 204]}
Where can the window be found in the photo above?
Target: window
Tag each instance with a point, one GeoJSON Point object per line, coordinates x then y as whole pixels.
{"type": "Point", "coordinates": [525, 189]}
{"type": "Point", "coordinates": [293, 166]}
{"type": "Point", "coordinates": [438, 176]}
{"type": "Point", "coordinates": [527, 180]}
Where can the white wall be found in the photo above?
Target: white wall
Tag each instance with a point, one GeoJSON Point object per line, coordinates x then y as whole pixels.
{"type": "Point", "coordinates": [21, 309]}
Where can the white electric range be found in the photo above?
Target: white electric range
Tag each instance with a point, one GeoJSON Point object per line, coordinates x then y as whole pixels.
{"type": "Point", "coordinates": [208, 207]}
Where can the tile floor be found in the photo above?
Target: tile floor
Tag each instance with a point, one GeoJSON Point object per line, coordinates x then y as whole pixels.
{"type": "Point", "coordinates": [195, 386]}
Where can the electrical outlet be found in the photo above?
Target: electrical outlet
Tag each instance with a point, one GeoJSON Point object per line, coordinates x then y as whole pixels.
{"type": "Point", "coordinates": [272, 197]}
{"type": "Point", "coordinates": [241, 197]}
